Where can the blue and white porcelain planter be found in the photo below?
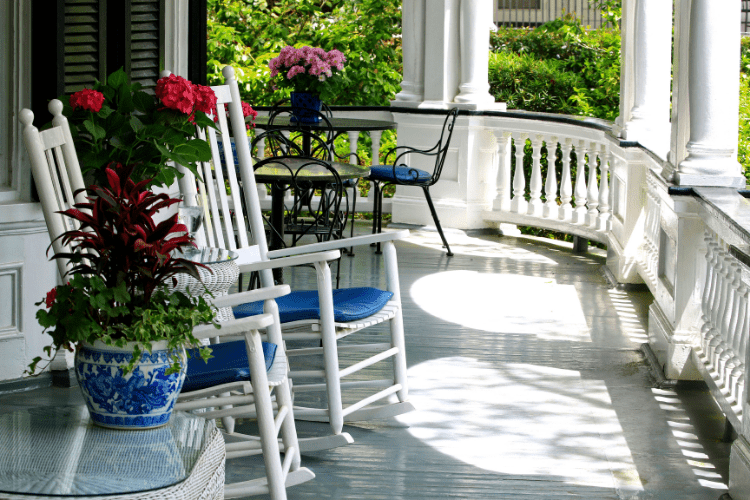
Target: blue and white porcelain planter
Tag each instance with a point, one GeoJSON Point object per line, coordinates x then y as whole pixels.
{"type": "Point", "coordinates": [142, 399]}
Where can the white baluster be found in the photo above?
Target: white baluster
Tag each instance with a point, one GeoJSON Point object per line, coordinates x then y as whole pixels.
{"type": "Point", "coordinates": [728, 321]}
{"type": "Point", "coordinates": [536, 208]}
{"type": "Point", "coordinates": [593, 192]}
{"type": "Point", "coordinates": [502, 195]}
{"type": "Point", "coordinates": [735, 359]}
{"type": "Point", "coordinates": [518, 204]}
{"type": "Point", "coordinates": [738, 372]}
{"type": "Point", "coordinates": [353, 142]}
{"type": "Point", "coordinates": [566, 187]}
{"type": "Point", "coordinates": [604, 195]}
{"type": "Point", "coordinates": [708, 287]}
{"type": "Point", "coordinates": [579, 214]}
{"type": "Point", "coordinates": [551, 208]}
{"type": "Point", "coordinates": [716, 346]}
{"type": "Point", "coordinates": [375, 135]}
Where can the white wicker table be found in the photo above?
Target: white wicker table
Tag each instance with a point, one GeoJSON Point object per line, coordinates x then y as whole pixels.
{"type": "Point", "coordinates": [53, 453]}
{"type": "Point", "coordinates": [215, 281]}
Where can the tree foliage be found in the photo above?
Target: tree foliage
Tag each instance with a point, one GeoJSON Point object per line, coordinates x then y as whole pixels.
{"type": "Point", "coordinates": [247, 34]}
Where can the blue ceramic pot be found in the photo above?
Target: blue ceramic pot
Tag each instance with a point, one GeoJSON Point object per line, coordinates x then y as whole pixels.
{"type": "Point", "coordinates": [305, 107]}
{"type": "Point", "coordinates": [142, 399]}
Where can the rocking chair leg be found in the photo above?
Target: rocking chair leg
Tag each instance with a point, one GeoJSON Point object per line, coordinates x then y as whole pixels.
{"type": "Point", "coordinates": [437, 221]}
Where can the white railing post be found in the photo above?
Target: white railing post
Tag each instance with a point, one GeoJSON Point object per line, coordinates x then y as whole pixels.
{"type": "Point", "coordinates": [353, 142]}
{"type": "Point", "coordinates": [566, 186]}
{"type": "Point", "coordinates": [503, 189]}
{"type": "Point", "coordinates": [604, 195]}
{"type": "Point", "coordinates": [579, 214]}
{"type": "Point", "coordinates": [593, 192]}
{"type": "Point", "coordinates": [551, 209]}
{"type": "Point", "coordinates": [536, 207]}
{"type": "Point", "coordinates": [518, 204]}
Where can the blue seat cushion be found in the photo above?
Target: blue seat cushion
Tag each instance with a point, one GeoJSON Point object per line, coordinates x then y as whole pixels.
{"type": "Point", "coordinates": [349, 304]}
{"type": "Point", "coordinates": [229, 364]}
{"type": "Point", "coordinates": [403, 174]}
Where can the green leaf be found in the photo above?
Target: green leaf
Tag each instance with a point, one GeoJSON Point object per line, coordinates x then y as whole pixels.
{"type": "Point", "coordinates": [117, 79]}
{"type": "Point", "coordinates": [136, 124]}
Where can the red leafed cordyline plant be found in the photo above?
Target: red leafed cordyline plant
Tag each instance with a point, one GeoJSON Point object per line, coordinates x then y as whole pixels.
{"type": "Point", "coordinates": [122, 264]}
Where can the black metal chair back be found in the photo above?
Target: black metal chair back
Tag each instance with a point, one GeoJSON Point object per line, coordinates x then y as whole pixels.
{"type": "Point", "coordinates": [396, 171]}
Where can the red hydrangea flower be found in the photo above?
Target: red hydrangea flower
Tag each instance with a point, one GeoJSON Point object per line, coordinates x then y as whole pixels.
{"type": "Point", "coordinates": [205, 99]}
{"type": "Point", "coordinates": [88, 99]}
{"type": "Point", "coordinates": [51, 296]}
{"type": "Point", "coordinates": [176, 93]}
{"type": "Point", "coordinates": [248, 110]}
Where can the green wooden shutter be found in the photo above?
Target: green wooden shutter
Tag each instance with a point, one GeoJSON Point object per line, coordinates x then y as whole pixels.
{"type": "Point", "coordinates": [85, 45]}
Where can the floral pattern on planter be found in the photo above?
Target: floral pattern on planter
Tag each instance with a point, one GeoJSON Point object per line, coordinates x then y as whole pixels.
{"type": "Point", "coordinates": [142, 399]}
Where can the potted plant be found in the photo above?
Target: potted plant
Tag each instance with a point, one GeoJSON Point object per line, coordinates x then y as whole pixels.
{"type": "Point", "coordinates": [308, 71]}
{"type": "Point", "coordinates": [116, 121]}
{"type": "Point", "coordinates": [118, 311]}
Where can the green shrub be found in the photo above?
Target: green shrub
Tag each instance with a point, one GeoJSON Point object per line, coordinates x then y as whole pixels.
{"type": "Point", "coordinates": [523, 82]}
{"type": "Point", "coordinates": [590, 61]}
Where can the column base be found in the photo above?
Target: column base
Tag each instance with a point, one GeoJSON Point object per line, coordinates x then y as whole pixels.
{"type": "Point", "coordinates": [710, 180]}
{"type": "Point", "coordinates": [672, 350]}
{"type": "Point", "coordinates": [739, 469]}
{"type": "Point", "coordinates": [709, 167]}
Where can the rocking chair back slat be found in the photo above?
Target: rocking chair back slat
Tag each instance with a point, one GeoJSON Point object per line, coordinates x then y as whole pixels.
{"type": "Point", "coordinates": [56, 172]}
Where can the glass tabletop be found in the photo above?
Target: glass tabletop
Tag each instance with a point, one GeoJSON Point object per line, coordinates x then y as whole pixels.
{"type": "Point", "coordinates": [337, 124]}
{"type": "Point", "coordinates": [206, 255]}
{"type": "Point", "coordinates": [286, 167]}
{"type": "Point", "coordinates": [59, 452]}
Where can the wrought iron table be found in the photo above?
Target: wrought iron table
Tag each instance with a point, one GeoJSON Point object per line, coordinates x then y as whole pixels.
{"type": "Point", "coordinates": [278, 175]}
{"type": "Point", "coordinates": [48, 453]}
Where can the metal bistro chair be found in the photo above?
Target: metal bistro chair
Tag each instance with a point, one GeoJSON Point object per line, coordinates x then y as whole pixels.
{"type": "Point", "coordinates": [397, 171]}
{"type": "Point", "coordinates": [323, 315]}
{"type": "Point", "coordinates": [56, 171]}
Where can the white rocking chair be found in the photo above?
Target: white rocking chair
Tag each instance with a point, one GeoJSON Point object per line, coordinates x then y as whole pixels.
{"type": "Point", "coordinates": [226, 228]}
{"type": "Point", "coordinates": [58, 176]}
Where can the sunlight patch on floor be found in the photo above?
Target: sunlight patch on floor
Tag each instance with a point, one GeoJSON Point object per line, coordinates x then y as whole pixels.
{"type": "Point", "coordinates": [686, 437]}
{"type": "Point", "coordinates": [520, 419]}
{"type": "Point", "coordinates": [462, 244]}
{"type": "Point", "coordinates": [504, 303]}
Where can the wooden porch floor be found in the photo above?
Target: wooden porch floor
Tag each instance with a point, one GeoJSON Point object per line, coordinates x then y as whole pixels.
{"type": "Point", "coordinates": [525, 372]}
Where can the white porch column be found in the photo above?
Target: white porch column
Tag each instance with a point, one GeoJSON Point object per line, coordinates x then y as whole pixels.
{"type": "Point", "coordinates": [627, 72]}
{"type": "Point", "coordinates": [412, 42]}
{"type": "Point", "coordinates": [176, 24]}
{"type": "Point", "coordinates": [475, 25]}
{"type": "Point", "coordinates": [652, 52]}
{"type": "Point", "coordinates": [714, 96]}
{"type": "Point", "coordinates": [441, 56]}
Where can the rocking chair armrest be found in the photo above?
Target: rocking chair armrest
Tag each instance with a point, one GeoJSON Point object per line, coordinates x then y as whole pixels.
{"type": "Point", "coordinates": [336, 244]}
{"type": "Point", "coordinates": [293, 260]}
{"type": "Point", "coordinates": [235, 299]}
{"type": "Point", "coordinates": [234, 327]}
